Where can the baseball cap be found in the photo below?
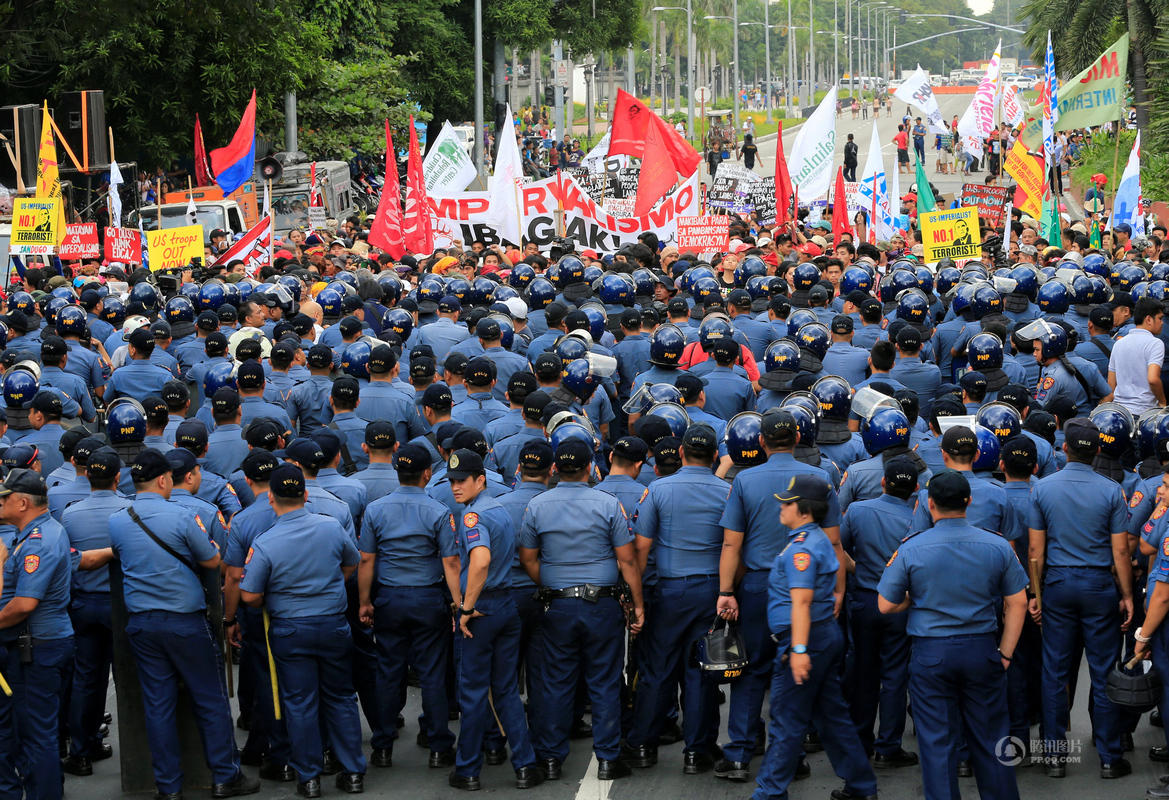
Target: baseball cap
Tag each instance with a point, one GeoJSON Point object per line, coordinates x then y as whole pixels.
{"type": "Point", "coordinates": [329, 441]}
{"type": "Point", "coordinates": [842, 323]}
{"type": "Point", "coordinates": [346, 389]}
{"type": "Point", "coordinates": [286, 481]}
{"type": "Point", "coordinates": [1081, 433]}
{"type": "Point", "coordinates": [215, 343]}
{"type": "Point", "coordinates": [856, 297]}
{"type": "Point", "coordinates": [103, 464]}
{"type": "Point", "coordinates": [909, 338]}
{"type": "Point", "coordinates": [973, 381]}
{"type": "Point", "coordinates": [959, 441]}
{"type": "Point", "coordinates": [160, 329]}
{"type": "Point", "coordinates": [380, 435]}
{"type": "Point", "coordinates": [191, 434]}
{"type": "Point", "coordinates": [444, 434]}
{"type": "Point", "coordinates": [140, 339]}
{"type": "Point", "coordinates": [174, 393]}
{"type": "Point", "coordinates": [382, 359]}
{"type": "Point", "coordinates": [207, 321]}
{"type": "Point", "coordinates": [464, 464]}
{"type": "Point", "coordinates": [1101, 318]}
{"type": "Point", "coordinates": [900, 475]}
{"type": "Point", "coordinates": [480, 371]}
{"type": "Point", "coordinates": [86, 447]}
{"type": "Point", "coordinates": [631, 448]}
{"type": "Point", "coordinates": [468, 438]}
{"type": "Point", "coordinates": [437, 396]}
{"type": "Point", "coordinates": [449, 305]}
{"type": "Point", "coordinates": [263, 432]}
{"type": "Point", "coordinates": [520, 385]}
{"type": "Point", "coordinates": [516, 307]}
{"type": "Point", "coordinates": [535, 403]}
{"type": "Point", "coordinates": [666, 452]}
{"type": "Point", "coordinates": [21, 456]}
{"type": "Point", "coordinates": [630, 318]}
{"type": "Point", "coordinates": [303, 450]}
{"type": "Point", "coordinates": [739, 298]}
{"type": "Point", "coordinates": [547, 366]}
{"type": "Point", "coordinates": [487, 329]}
{"type": "Point", "coordinates": [149, 465]}
{"type": "Point", "coordinates": [1016, 395]}
{"type": "Point", "coordinates": [258, 465]}
{"type": "Point", "coordinates": [690, 385]}
{"type": "Point", "coordinates": [949, 488]}
{"type": "Point", "coordinates": [225, 401]}
{"type": "Point", "coordinates": [700, 438]}
{"type": "Point", "coordinates": [651, 429]}
{"type": "Point", "coordinates": [536, 455]}
{"type": "Point", "coordinates": [47, 402]}
{"type": "Point", "coordinates": [573, 455]}
{"type": "Point", "coordinates": [805, 487]}
{"type": "Point", "coordinates": [181, 461]}
{"type": "Point", "coordinates": [413, 458]}
{"type": "Point", "coordinates": [53, 347]}
{"type": "Point", "coordinates": [350, 326]}
{"type": "Point", "coordinates": [25, 481]}
{"type": "Point", "coordinates": [455, 364]}
{"type": "Point", "coordinates": [818, 293]}
{"type": "Point", "coordinates": [779, 424]}
{"type": "Point", "coordinates": [301, 324]}
{"type": "Point", "coordinates": [320, 356]}
{"type": "Point", "coordinates": [422, 368]}
{"type": "Point", "coordinates": [1020, 453]}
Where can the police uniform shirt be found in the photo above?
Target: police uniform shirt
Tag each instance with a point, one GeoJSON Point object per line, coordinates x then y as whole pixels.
{"type": "Point", "coordinates": [630, 492]}
{"type": "Point", "coordinates": [632, 354]}
{"type": "Point", "coordinates": [1049, 461]}
{"type": "Point", "coordinates": [759, 334]}
{"type": "Point", "coordinates": [322, 501]}
{"type": "Point", "coordinates": [506, 452]}
{"type": "Point", "coordinates": [87, 524]}
{"type": "Point", "coordinates": [599, 410]}
{"type": "Point", "coordinates": [226, 449]}
{"type": "Point", "coordinates": [73, 387]}
{"type": "Point", "coordinates": [702, 416]}
{"type": "Point", "coordinates": [728, 394]}
{"type": "Point", "coordinates": [308, 404]}
{"type": "Point", "coordinates": [1056, 381]}
{"type": "Point", "coordinates": [1141, 503]}
{"type": "Point", "coordinates": [1023, 317]}
{"type": "Point", "coordinates": [99, 328]}
{"type": "Point", "coordinates": [1090, 350]}
{"type": "Point", "coordinates": [27, 342]}
{"type": "Point", "coordinates": [1080, 511]}
{"type": "Point", "coordinates": [945, 336]}
{"type": "Point", "coordinates": [245, 527]}
{"type": "Point", "coordinates": [208, 515]}
{"type": "Point", "coordinates": [293, 585]}
{"type": "Point", "coordinates": [485, 523]}
{"type": "Point", "coordinates": [989, 509]}
{"type": "Point", "coordinates": [153, 579]}
{"type": "Point", "coordinates": [85, 364]}
{"type": "Point", "coordinates": [277, 387]}
{"type": "Point", "coordinates": [682, 514]}
{"type": "Point", "coordinates": [847, 361]}
{"type": "Point", "coordinates": [64, 494]}
{"type": "Point", "coordinates": [575, 528]}
{"type": "Point", "coordinates": [215, 489]}
{"type": "Point", "coordinates": [158, 443]}
{"type": "Point", "coordinates": [47, 441]}
{"type": "Point", "coordinates": [507, 364]}
{"type": "Point", "coordinates": [542, 343]}
{"type": "Point", "coordinates": [196, 375]}
{"type": "Point", "coordinates": [503, 426]}
{"type": "Point", "coordinates": [347, 489]}
{"type": "Point", "coordinates": [442, 335]}
{"type": "Point", "coordinates": [956, 576]}
{"type": "Point", "coordinates": [351, 428]}
{"type": "Point", "coordinates": [865, 336]}
{"type": "Point", "coordinates": [137, 379]}
{"type": "Point", "coordinates": [189, 354]}
{"type": "Point", "coordinates": [930, 451]}
{"type": "Point", "coordinates": [807, 561]}
{"type": "Point", "coordinates": [410, 533]}
{"type": "Point", "coordinates": [870, 531]}
{"type": "Point", "coordinates": [381, 401]}
{"type": "Point", "coordinates": [469, 347]}
{"type": "Point", "coordinates": [478, 410]}
{"type": "Point", "coordinates": [39, 567]}
{"type": "Point", "coordinates": [768, 399]}
{"type": "Point", "coordinates": [920, 378]}
{"type": "Point", "coordinates": [65, 473]}
{"type": "Point", "coordinates": [440, 489]}
{"type": "Point", "coordinates": [515, 503]}
{"type": "Point", "coordinates": [753, 509]}
{"type": "Point", "coordinates": [378, 479]}
{"type": "Point", "coordinates": [161, 358]}
{"type": "Point", "coordinates": [863, 480]}
{"type": "Point", "coordinates": [655, 374]}
{"type": "Point", "coordinates": [846, 453]}
{"type": "Point", "coordinates": [252, 408]}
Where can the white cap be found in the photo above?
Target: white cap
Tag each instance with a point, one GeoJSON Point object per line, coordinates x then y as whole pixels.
{"type": "Point", "coordinates": [516, 307]}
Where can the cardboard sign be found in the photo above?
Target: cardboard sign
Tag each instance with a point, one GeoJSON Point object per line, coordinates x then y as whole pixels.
{"type": "Point", "coordinates": [34, 226]}
{"type": "Point", "coordinates": [123, 245]}
{"type": "Point", "coordinates": [80, 241]}
{"type": "Point", "coordinates": [174, 247]}
{"type": "Point", "coordinates": [316, 218]}
{"type": "Point", "coordinates": [704, 234]}
{"type": "Point", "coordinates": [950, 234]}
{"type": "Point", "coordinates": [991, 201]}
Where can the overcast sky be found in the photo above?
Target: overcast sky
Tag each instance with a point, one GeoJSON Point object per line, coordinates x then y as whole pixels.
{"type": "Point", "coordinates": [980, 6]}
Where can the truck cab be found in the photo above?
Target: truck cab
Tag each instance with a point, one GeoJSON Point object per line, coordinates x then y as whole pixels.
{"type": "Point", "coordinates": [290, 194]}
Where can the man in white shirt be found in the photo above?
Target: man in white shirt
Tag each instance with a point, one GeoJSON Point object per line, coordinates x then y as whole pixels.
{"type": "Point", "coordinates": [1134, 368]}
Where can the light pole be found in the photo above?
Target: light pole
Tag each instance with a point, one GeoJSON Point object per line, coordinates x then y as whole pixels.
{"type": "Point", "coordinates": [811, 57]}
{"type": "Point", "coordinates": [766, 55]}
{"type": "Point", "coordinates": [734, 18]}
{"type": "Point", "coordinates": [689, 63]}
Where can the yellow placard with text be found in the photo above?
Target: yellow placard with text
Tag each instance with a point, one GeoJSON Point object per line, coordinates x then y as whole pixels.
{"type": "Point", "coordinates": [34, 226]}
{"type": "Point", "coordinates": [174, 247]}
{"type": "Point", "coordinates": [950, 234]}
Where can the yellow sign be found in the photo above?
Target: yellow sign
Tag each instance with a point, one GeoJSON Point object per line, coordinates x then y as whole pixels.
{"type": "Point", "coordinates": [950, 234]}
{"type": "Point", "coordinates": [174, 247]}
{"type": "Point", "coordinates": [34, 226]}
{"type": "Point", "coordinates": [48, 176]}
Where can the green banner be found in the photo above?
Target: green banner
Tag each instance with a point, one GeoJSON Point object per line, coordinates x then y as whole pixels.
{"type": "Point", "coordinates": [1093, 97]}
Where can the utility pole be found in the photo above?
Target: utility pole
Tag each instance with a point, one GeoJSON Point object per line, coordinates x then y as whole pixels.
{"type": "Point", "coordinates": [811, 57]}
{"type": "Point", "coordinates": [479, 157]}
{"type": "Point", "coordinates": [557, 91]}
{"type": "Point", "coordinates": [767, 56]}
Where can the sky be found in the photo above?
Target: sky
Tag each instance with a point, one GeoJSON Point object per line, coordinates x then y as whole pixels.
{"type": "Point", "coordinates": [980, 6]}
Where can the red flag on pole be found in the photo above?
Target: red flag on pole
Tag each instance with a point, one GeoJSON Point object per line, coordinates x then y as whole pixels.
{"type": "Point", "coordinates": [202, 168]}
{"type": "Point", "coordinates": [783, 182]}
{"type": "Point", "coordinates": [631, 121]}
{"type": "Point", "coordinates": [840, 224]}
{"type": "Point", "coordinates": [416, 227]}
{"type": "Point", "coordinates": [386, 231]}
{"type": "Point", "coordinates": [657, 169]}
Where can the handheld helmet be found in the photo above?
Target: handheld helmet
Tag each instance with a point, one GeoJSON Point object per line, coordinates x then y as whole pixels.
{"type": "Point", "coordinates": [1136, 688]}
{"type": "Point", "coordinates": [887, 427]}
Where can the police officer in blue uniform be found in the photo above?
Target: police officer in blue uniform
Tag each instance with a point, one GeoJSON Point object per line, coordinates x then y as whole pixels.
{"type": "Point", "coordinates": [168, 629]}
{"type": "Point", "coordinates": [809, 652]}
{"type": "Point", "coordinates": [490, 628]}
{"type": "Point", "coordinates": [1079, 533]}
{"type": "Point", "coordinates": [408, 556]}
{"type": "Point", "coordinates": [575, 543]}
{"type": "Point", "coordinates": [381, 399]}
{"type": "Point", "coordinates": [187, 476]}
{"type": "Point", "coordinates": [869, 532]}
{"type": "Point", "coordinates": [480, 407]}
{"type": "Point", "coordinates": [308, 402]}
{"type": "Point", "coordinates": [379, 446]}
{"type": "Point", "coordinates": [138, 377]}
{"type": "Point", "coordinates": [226, 447]}
{"type": "Point", "coordinates": [308, 633]}
{"type": "Point", "coordinates": [843, 357]}
{"type": "Point", "coordinates": [37, 638]}
{"type": "Point", "coordinates": [957, 667]}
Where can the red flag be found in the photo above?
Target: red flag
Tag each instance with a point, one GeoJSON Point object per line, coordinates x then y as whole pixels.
{"type": "Point", "coordinates": [386, 231]}
{"type": "Point", "coordinates": [840, 224]}
{"type": "Point", "coordinates": [657, 169]}
{"type": "Point", "coordinates": [416, 228]}
{"type": "Point", "coordinates": [202, 168]}
{"type": "Point", "coordinates": [631, 119]}
{"type": "Point", "coordinates": [783, 182]}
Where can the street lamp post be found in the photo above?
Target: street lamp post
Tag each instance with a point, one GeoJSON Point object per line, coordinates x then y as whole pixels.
{"type": "Point", "coordinates": [689, 63]}
{"type": "Point", "coordinates": [766, 54]}
{"type": "Point", "coordinates": [811, 57]}
{"type": "Point", "coordinates": [734, 19]}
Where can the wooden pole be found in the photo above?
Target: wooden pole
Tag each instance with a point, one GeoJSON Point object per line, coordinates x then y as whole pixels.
{"type": "Point", "coordinates": [16, 162]}
{"type": "Point", "coordinates": [1115, 168]}
{"type": "Point", "coordinates": [114, 223]}
{"type": "Point", "coordinates": [158, 200]}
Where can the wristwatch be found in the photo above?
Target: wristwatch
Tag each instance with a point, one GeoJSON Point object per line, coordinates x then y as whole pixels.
{"type": "Point", "coordinates": [799, 649]}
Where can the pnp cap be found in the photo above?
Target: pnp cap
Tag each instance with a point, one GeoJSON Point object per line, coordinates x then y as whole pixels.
{"type": "Point", "coordinates": [842, 324]}
{"type": "Point", "coordinates": [536, 455]}
{"type": "Point", "coordinates": [856, 297]}
{"type": "Point", "coordinates": [349, 327]}
{"type": "Point", "coordinates": [301, 324]}
{"type": "Point", "coordinates": [464, 464]}
{"type": "Point", "coordinates": [53, 347]}
{"type": "Point", "coordinates": [909, 339]}
{"type": "Point", "coordinates": [1101, 318]}
{"type": "Point", "coordinates": [330, 443]}
{"type": "Point", "coordinates": [413, 458]}
{"type": "Point", "coordinates": [181, 461]}
{"type": "Point", "coordinates": [85, 447]}
{"type": "Point", "coordinates": [534, 405]}
{"type": "Point", "coordinates": [346, 389]}
{"type": "Point", "coordinates": [47, 402]}
{"type": "Point", "coordinates": [487, 329]}
{"type": "Point", "coordinates": [438, 397]}
{"type": "Point", "coordinates": [444, 434]}
{"type": "Point", "coordinates": [303, 450]}
{"type": "Point", "coordinates": [320, 356]}
{"type": "Point", "coordinates": [250, 376]}
{"type": "Point", "coordinates": [207, 321]}
{"type": "Point", "coordinates": [700, 438]}
{"type": "Point", "coordinates": [286, 481]}
{"type": "Point", "coordinates": [1014, 395]}
{"type": "Point", "coordinates": [102, 464]}
{"type": "Point", "coordinates": [468, 438]}
{"type": "Point", "coordinates": [959, 441]}
{"type": "Point", "coordinates": [520, 385]}
{"type": "Point", "coordinates": [949, 488]}
{"type": "Point", "coordinates": [631, 319]}
{"type": "Point", "coordinates": [215, 344]}
{"type": "Point", "coordinates": [1081, 433]}
{"type": "Point", "coordinates": [258, 465]}
{"type": "Point", "coordinates": [225, 401]}
{"type": "Point", "coordinates": [175, 393]}
{"type": "Point", "coordinates": [1019, 454]}
{"type": "Point", "coordinates": [480, 371]}
{"type": "Point", "coordinates": [805, 487]}
{"type": "Point", "coordinates": [900, 476]}
{"type": "Point", "coordinates": [547, 366]}
{"type": "Point", "coordinates": [191, 434]}
{"type": "Point", "coordinates": [690, 385]}
{"type": "Point", "coordinates": [25, 481]}
{"type": "Point", "coordinates": [455, 364]}
{"type": "Point", "coordinates": [21, 456]}
{"type": "Point", "coordinates": [818, 293]}
{"type": "Point", "coordinates": [449, 305]}
{"type": "Point", "coordinates": [140, 339]}
{"type": "Point", "coordinates": [779, 425]}
{"type": "Point", "coordinates": [422, 368]}
{"type": "Point", "coordinates": [380, 435]}
{"type": "Point", "coordinates": [573, 455]}
{"type": "Point", "coordinates": [264, 433]}
{"type": "Point", "coordinates": [666, 452]}
{"type": "Point", "coordinates": [652, 429]}
{"type": "Point", "coordinates": [739, 298]}
{"type": "Point", "coordinates": [973, 381]}
{"type": "Point", "coordinates": [160, 329]}
{"type": "Point", "coordinates": [631, 448]}
{"type": "Point", "coordinates": [149, 465]}
{"type": "Point", "coordinates": [382, 359]}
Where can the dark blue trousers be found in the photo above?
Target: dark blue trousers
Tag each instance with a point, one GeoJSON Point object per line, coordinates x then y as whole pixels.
{"type": "Point", "coordinates": [413, 627]}
{"type": "Point", "coordinates": [818, 701]}
{"type": "Point", "coordinates": [743, 722]}
{"type": "Point", "coordinates": [266, 734]}
{"type": "Point", "coordinates": [958, 684]}
{"type": "Point", "coordinates": [1080, 606]}
{"type": "Point", "coordinates": [487, 679]}
{"type": "Point", "coordinates": [684, 615]}
{"type": "Point", "coordinates": [314, 666]}
{"type": "Point", "coordinates": [581, 638]}
{"type": "Point", "coordinates": [90, 613]}
{"type": "Point", "coordinates": [168, 648]}
{"type": "Point", "coordinates": [880, 673]}
{"type": "Point", "coordinates": [30, 766]}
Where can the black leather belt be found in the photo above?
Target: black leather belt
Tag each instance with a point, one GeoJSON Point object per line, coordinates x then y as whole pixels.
{"type": "Point", "coordinates": [586, 591]}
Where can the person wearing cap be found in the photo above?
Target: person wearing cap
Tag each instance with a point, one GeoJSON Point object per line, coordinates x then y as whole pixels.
{"type": "Point", "coordinates": [309, 636]}
{"type": "Point", "coordinates": [453, 369]}
{"type": "Point", "coordinates": [1078, 531]}
{"type": "Point", "coordinates": [54, 360]}
{"type": "Point", "coordinates": [308, 454]}
{"type": "Point", "coordinates": [869, 533]}
{"type": "Point", "coordinates": [461, 438]}
{"type": "Point", "coordinates": [575, 542]}
{"type": "Point", "coordinates": [505, 455]}
{"type": "Point", "coordinates": [330, 478]}
{"type": "Point", "coordinates": [347, 425]}
{"type": "Point", "coordinates": [750, 542]}
{"type": "Point", "coordinates": [215, 347]}
{"type": "Point", "coordinates": [490, 627]}
{"type": "Point", "coordinates": [957, 665]}
{"type": "Point", "coordinates": [693, 389]}
{"type": "Point", "coordinates": [226, 447]}
{"type": "Point", "coordinates": [381, 397]}
{"type": "Point", "coordinates": [445, 332]}
{"type": "Point", "coordinates": [436, 412]}
{"type": "Point", "coordinates": [553, 328]}
{"type": "Point", "coordinates": [213, 488]}
{"type": "Point", "coordinates": [84, 363]}
{"type": "Point", "coordinates": [67, 484]}
{"type": "Point", "coordinates": [138, 377]}
{"type": "Point", "coordinates": [759, 332]}
{"type": "Point", "coordinates": [973, 386]}
{"type": "Point", "coordinates": [626, 461]}
{"type": "Point", "coordinates": [1097, 346]}
{"type": "Point", "coordinates": [250, 379]}
{"type": "Point", "coordinates": [187, 475]}
{"type": "Point", "coordinates": [843, 357]}
{"type": "Point", "coordinates": [632, 352]}
{"type": "Point", "coordinates": [168, 631]}
{"type": "Point", "coordinates": [921, 377]}
{"type": "Point", "coordinates": [308, 402]}
{"type": "Point", "coordinates": [408, 555]}
{"type": "Point", "coordinates": [678, 520]}
{"type": "Point", "coordinates": [192, 351]}
{"type": "Point", "coordinates": [379, 445]}
{"type": "Point", "coordinates": [44, 415]}
{"type": "Point", "coordinates": [1134, 366]}
{"type": "Point", "coordinates": [160, 330]}
{"type": "Point", "coordinates": [279, 382]}
{"type": "Point", "coordinates": [870, 323]}
{"type": "Point", "coordinates": [1060, 378]}
{"type": "Point", "coordinates": [506, 362]}
{"type": "Point", "coordinates": [480, 406]}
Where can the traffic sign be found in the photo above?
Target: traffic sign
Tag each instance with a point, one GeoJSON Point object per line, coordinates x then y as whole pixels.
{"type": "Point", "coordinates": [702, 94]}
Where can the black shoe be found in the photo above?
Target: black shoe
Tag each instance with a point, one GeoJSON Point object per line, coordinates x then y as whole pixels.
{"type": "Point", "coordinates": [1160, 754]}
{"type": "Point", "coordinates": [898, 758]}
{"type": "Point", "coordinates": [528, 777]}
{"type": "Point", "coordinates": [103, 731]}
{"type": "Point", "coordinates": [1155, 719]}
{"type": "Point", "coordinates": [102, 752]}
{"type": "Point", "coordinates": [580, 730]}
{"type": "Point", "coordinates": [77, 765]}
{"type": "Point", "coordinates": [1117, 769]}
{"type": "Point", "coordinates": [350, 782]}
{"type": "Point", "coordinates": [736, 771]}
{"type": "Point", "coordinates": [250, 758]}
{"type": "Point", "coordinates": [696, 762]}
{"type": "Point", "coordinates": [812, 743]}
{"type": "Point", "coordinates": [382, 757]}
{"type": "Point", "coordinates": [495, 757]}
{"type": "Point", "coordinates": [612, 770]}
{"type": "Point", "coordinates": [108, 718]}
{"type": "Point", "coordinates": [1056, 770]}
{"type": "Point", "coordinates": [167, 795]}
{"type": "Point", "coordinates": [641, 756]}
{"type": "Point", "coordinates": [282, 773]}
{"type": "Point", "coordinates": [551, 769]}
{"type": "Point", "coordinates": [671, 734]}
{"type": "Point", "coordinates": [422, 740]}
{"type": "Point", "coordinates": [310, 788]}
{"type": "Point", "coordinates": [803, 770]}
{"type": "Point", "coordinates": [240, 784]}
{"type": "Point", "coordinates": [329, 763]}
{"type": "Point", "coordinates": [845, 794]}
{"type": "Point", "coordinates": [468, 783]}
{"type": "Point", "coordinates": [964, 770]}
{"type": "Point", "coordinates": [442, 758]}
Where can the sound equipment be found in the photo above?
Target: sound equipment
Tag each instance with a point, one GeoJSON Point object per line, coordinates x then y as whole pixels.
{"type": "Point", "coordinates": [21, 126]}
{"type": "Point", "coordinates": [82, 120]}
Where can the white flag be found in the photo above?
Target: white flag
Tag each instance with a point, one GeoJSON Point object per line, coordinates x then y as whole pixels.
{"type": "Point", "coordinates": [812, 158]}
{"type": "Point", "coordinates": [598, 159]}
{"type": "Point", "coordinates": [192, 212]}
{"type": "Point", "coordinates": [507, 185]}
{"type": "Point", "coordinates": [917, 92]}
{"type": "Point", "coordinates": [874, 191]}
{"type": "Point", "coordinates": [1011, 109]}
{"type": "Point", "coordinates": [1127, 206]}
{"type": "Point", "coordinates": [114, 197]}
{"type": "Point", "coordinates": [978, 121]}
{"type": "Point", "coordinates": [447, 167]}
{"type": "Point", "coordinates": [1007, 226]}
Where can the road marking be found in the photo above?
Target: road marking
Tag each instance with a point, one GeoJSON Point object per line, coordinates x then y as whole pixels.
{"type": "Point", "coordinates": [591, 788]}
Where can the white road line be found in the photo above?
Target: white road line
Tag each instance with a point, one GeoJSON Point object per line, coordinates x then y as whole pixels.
{"type": "Point", "coordinates": [591, 788]}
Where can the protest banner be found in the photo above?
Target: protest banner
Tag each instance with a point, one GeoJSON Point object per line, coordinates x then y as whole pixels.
{"type": "Point", "coordinates": [123, 245]}
{"type": "Point", "coordinates": [34, 226]}
{"type": "Point", "coordinates": [1029, 175]}
{"type": "Point", "coordinates": [950, 234]}
{"type": "Point", "coordinates": [709, 234]}
{"type": "Point", "coordinates": [1094, 97]}
{"type": "Point", "coordinates": [80, 241]}
{"type": "Point", "coordinates": [174, 247]}
{"type": "Point", "coordinates": [317, 218]}
{"type": "Point", "coordinates": [991, 201]}
{"type": "Point", "coordinates": [447, 167]}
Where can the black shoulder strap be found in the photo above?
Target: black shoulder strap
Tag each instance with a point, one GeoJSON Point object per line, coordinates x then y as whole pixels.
{"type": "Point", "coordinates": [1079, 378]}
{"type": "Point", "coordinates": [138, 521]}
{"type": "Point", "coordinates": [1101, 346]}
{"type": "Point", "coordinates": [347, 462]}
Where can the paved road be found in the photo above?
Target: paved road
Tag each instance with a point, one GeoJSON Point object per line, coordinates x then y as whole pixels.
{"type": "Point", "coordinates": [410, 777]}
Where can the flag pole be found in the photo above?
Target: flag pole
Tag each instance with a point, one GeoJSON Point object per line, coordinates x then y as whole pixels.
{"type": "Point", "coordinates": [1115, 166]}
{"type": "Point", "coordinates": [114, 161]}
{"type": "Point", "coordinates": [158, 199]}
{"type": "Point", "coordinates": [271, 227]}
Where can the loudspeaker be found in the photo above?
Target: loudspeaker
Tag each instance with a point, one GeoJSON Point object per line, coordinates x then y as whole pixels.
{"type": "Point", "coordinates": [27, 120]}
{"type": "Point", "coordinates": [82, 120]}
{"type": "Point", "coordinates": [271, 169]}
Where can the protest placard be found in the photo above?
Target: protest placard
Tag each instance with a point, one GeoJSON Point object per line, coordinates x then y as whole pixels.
{"type": "Point", "coordinates": [704, 234]}
{"type": "Point", "coordinates": [80, 241]}
{"type": "Point", "coordinates": [950, 234]}
{"type": "Point", "coordinates": [174, 247]}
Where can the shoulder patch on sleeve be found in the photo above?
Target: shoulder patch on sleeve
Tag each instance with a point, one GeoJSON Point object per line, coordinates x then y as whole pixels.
{"type": "Point", "coordinates": [1160, 512]}
{"type": "Point", "coordinates": [31, 563]}
{"type": "Point", "coordinates": [1137, 497]}
{"type": "Point", "coordinates": [451, 520]}
{"type": "Point", "coordinates": [230, 488]}
{"type": "Point", "coordinates": [1164, 547]}
{"type": "Point", "coordinates": [801, 561]}
{"type": "Point", "coordinates": [222, 521]}
{"type": "Point", "coordinates": [470, 519]}
{"type": "Point", "coordinates": [199, 522]}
